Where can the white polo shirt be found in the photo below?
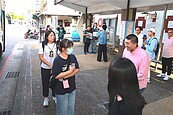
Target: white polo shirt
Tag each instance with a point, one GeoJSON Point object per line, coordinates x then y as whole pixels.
{"type": "Point", "coordinates": [140, 39]}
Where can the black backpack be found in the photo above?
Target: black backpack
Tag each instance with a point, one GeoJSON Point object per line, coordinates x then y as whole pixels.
{"type": "Point", "coordinates": [144, 39]}
{"type": "Point", "coordinates": [43, 45]}
{"type": "Point", "coordinates": [156, 50]}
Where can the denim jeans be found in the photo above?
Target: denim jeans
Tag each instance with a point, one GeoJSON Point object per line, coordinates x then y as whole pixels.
{"type": "Point", "coordinates": [142, 90]}
{"type": "Point", "coordinates": [66, 103]}
{"type": "Point", "coordinates": [93, 44]}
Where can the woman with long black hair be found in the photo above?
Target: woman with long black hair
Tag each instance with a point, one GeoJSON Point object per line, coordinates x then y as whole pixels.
{"type": "Point", "coordinates": [47, 54]}
{"type": "Point", "coordinates": [123, 88]}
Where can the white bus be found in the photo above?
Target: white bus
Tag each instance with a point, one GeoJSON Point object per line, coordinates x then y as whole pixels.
{"type": "Point", "coordinates": [2, 27]}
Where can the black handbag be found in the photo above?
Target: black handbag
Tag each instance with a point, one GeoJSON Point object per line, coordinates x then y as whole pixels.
{"type": "Point", "coordinates": [53, 81]}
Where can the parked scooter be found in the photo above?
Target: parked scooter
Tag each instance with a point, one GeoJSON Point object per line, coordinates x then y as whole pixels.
{"type": "Point", "coordinates": [30, 34]}
{"type": "Point", "coordinates": [34, 35]}
{"type": "Point", "coordinates": [26, 35]}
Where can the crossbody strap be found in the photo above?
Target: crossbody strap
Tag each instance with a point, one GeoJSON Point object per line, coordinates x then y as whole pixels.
{"type": "Point", "coordinates": [149, 41]}
{"type": "Point", "coordinates": [68, 64]}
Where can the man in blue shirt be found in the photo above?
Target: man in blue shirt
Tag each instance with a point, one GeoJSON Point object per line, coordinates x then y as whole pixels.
{"type": "Point", "coordinates": [102, 37]}
{"type": "Point", "coordinates": [151, 45]}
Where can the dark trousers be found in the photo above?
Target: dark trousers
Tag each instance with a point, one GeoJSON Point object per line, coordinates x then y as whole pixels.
{"type": "Point", "coordinates": [167, 65]}
{"type": "Point", "coordinates": [45, 75]}
{"type": "Point", "coordinates": [102, 49]}
{"type": "Point", "coordinates": [86, 46]}
{"type": "Point", "coordinates": [60, 38]}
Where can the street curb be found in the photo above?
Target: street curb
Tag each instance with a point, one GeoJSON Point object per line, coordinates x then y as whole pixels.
{"type": "Point", "coordinates": [23, 99]}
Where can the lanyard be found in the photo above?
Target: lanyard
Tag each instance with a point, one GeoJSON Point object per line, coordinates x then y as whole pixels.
{"type": "Point", "coordinates": [51, 52]}
{"type": "Point", "coordinates": [52, 47]}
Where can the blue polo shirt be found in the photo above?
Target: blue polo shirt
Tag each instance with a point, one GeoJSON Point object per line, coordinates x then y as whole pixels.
{"type": "Point", "coordinates": [102, 37]}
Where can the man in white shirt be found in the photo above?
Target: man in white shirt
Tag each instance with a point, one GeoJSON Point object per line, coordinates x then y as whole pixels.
{"type": "Point", "coordinates": [141, 37]}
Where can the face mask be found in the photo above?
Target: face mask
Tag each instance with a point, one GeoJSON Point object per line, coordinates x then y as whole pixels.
{"type": "Point", "coordinates": [70, 51]}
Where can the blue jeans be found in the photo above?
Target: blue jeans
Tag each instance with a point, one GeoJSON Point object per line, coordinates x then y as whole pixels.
{"type": "Point", "coordinates": [66, 103]}
{"type": "Point", "coordinates": [93, 44]}
{"type": "Point", "coordinates": [142, 90]}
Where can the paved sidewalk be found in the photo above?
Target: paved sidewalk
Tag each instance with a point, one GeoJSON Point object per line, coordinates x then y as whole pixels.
{"type": "Point", "coordinates": [160, 107]}
{"type": "Point", "coordinates": [91, 85]}
{"type": "Point", "coordinates": [92, 95]}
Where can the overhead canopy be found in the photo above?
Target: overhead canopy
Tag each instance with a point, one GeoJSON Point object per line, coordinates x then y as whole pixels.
{"type": "Point", "coordinates": [114, 6]}
{"type": "Point", "coordinates": [59, 10]}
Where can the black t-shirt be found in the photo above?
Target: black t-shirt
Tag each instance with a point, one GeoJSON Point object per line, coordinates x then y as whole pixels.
{"type": "Point", "coordinates": [121, 108]}
{"type": "Point", "coordinates": [60, 65]}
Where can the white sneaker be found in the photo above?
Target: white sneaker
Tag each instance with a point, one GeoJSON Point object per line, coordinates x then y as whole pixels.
{"type": "Point", "coordinates": [46, 102]}
{"type": "Point", "coordinates": [161, 75]}
{"type": "Point", "coordinates": [54, 99]}
{"type": "Point", "coordinates": [167, 77]}
{"type": "Point", "coordinates": [148, 81]}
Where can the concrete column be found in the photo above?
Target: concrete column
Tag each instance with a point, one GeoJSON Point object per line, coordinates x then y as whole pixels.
{"type": "Point", "coordinates": [86, 11]}
{"type": "Point", "coordinates": [128, 14]}
{"type": "Point", "coordinates": [54, 22]}
{"type": "Point", "coordinates": [127, 26]}
{"type": "Point", "coordinates": [80, 27]}
{"type": "Point", "coordinates": [90, 20]}
{"type": "Point", "coordinates": [48, 20]}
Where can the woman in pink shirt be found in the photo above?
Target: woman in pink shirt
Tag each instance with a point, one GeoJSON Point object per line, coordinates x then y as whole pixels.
{"type": "Point", "coordinates": [167, 57]}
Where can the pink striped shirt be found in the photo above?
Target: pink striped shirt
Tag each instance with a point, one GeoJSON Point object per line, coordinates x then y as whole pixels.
{"type": "Point", "coordinates": [168, 48]}
{"type": "Point", "coordinates": [141, 61]}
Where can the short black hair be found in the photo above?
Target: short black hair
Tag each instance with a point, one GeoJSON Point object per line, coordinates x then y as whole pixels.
{"type": "Point", "coordinates": [139, 27]}
{"type": "Point", "coordinates": [65, 43]}
{"type": "Point", "coordinates": [133, 38]}
{"type": "Point", "coordinates": [104, 27]}
{"type": "Point", "coordinates": [48, 26]}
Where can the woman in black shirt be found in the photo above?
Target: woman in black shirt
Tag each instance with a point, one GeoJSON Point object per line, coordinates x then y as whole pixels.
{"type": "Point", "coordinates": [123, 88]}
{"type": "Point", "coordinates": [65, 66]}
